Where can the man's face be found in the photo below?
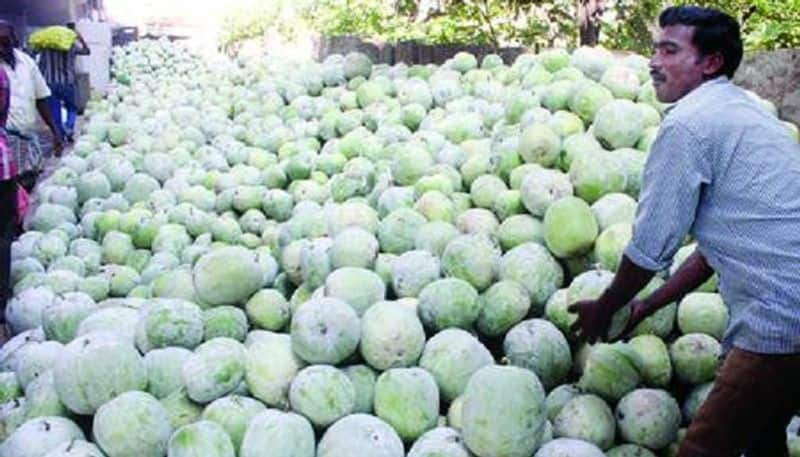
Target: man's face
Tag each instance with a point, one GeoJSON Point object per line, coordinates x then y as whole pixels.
{"type": "Point", "coordinates": [6, 41]}
{"type": "Point", "coordinates": [677, 66]}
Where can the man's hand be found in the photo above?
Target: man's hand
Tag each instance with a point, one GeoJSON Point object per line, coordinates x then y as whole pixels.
{"type": "Point", "coordinates": [594, 319]}
{"type": "Point", "coordinates": [58, 145]}
{"type": "Point", "coordinates": [594, 316]}
{"type": "Point", "coordinates": [85, 50]}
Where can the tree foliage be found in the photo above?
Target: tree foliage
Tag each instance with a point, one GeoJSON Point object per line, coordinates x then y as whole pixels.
{"type": "Point", "coordinates": [624, 24]}
{"type": "Point", "coordinates": [766, 24]}
{"type": "Point", "coordinates": [495, 22]}
{"type": "Point", "coordinates": [253, 21]}
{"type": "Point", "coordinates": [629, 25]}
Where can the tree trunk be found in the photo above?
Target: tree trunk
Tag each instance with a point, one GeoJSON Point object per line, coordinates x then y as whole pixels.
{"type": "Point", "coordinates": [589, 12]}
{"type": "Point", "coordinates": [487, 18]}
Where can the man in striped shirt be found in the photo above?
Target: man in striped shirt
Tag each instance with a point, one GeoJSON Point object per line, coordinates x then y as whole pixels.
{"type": "Point", "coordinates": [727, 172]}
{"type": "Point", "coordinates": [58, 69]}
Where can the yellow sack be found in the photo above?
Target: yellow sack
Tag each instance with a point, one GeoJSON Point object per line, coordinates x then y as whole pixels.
{"type": "Point", "coordinates": [55, 37]}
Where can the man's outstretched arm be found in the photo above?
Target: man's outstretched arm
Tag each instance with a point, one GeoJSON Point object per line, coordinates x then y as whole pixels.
{"type": "Point", "coordinates": [692, 273]}
{"type": "Point", "coordinates": [677, 169]}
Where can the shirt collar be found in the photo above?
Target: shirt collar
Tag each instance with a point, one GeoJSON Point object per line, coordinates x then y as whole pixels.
{"type": "Point", "coordinates": [697, 92]}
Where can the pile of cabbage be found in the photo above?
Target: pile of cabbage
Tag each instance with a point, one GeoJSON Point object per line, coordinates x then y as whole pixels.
{"type": "Point", "coordinates": [336, 259]}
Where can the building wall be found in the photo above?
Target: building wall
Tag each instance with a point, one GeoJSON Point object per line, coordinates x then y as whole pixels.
{"type": "Point", "coordinates": [28, 15]}
{"type": "Point", "coordinates": [42, 12]}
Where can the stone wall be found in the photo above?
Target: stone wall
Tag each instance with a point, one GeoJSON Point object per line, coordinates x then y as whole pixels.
{"type": "Point", "coordinates": [775, 75]}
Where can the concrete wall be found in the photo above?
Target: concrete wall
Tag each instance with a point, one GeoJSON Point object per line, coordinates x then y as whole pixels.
{"type": "Point", "coordinates": [774, 75]}
{"type": "Point", "coordinates": [409, 52]}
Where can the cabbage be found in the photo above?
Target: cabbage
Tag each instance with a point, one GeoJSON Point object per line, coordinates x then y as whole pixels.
{"type": "Point", "coordinates": [588, 418]}
{"type": "Point", "coordinates": [611, 371]}
{"type": "Point", "coordinates": [537, 345]}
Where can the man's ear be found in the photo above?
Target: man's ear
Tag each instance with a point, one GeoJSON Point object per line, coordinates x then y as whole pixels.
{"type": "Point", "coordinates": [712, 63]}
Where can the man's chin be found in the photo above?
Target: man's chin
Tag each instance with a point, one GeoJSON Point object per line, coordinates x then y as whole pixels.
{"type": "Point", "coordinates": [664, 97]}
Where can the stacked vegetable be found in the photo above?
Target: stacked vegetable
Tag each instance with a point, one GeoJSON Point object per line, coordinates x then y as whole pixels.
{"type": "Point", "coordinates": [340, 258]}
{"type": "Point", "coordinates": [55, 37]}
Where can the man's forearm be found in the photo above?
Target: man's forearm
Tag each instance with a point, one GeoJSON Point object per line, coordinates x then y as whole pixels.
{"type": "Point", "coordinates": [692, 273]}
{"type": "Point", "coordinates": [44, 110]}
{"type": "Point", "coordinates": [628, 281]}
{"type": "Point", "coordinates": [85, 50]}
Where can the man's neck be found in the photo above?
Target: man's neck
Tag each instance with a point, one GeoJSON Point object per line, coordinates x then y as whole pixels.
{"type": "Point", "coordinates": [9, 58]}
{"type": "Point", "coordinates": [699, 87]}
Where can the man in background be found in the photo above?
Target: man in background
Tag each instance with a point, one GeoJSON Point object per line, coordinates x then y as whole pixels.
{"type": "Point", "coordinates": [58, 69]}
{"type": "Point", "coordinates": [29, 96]}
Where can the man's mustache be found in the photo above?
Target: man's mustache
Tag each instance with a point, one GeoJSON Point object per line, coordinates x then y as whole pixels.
{"type": "Point", "coordinates": [656, 76]}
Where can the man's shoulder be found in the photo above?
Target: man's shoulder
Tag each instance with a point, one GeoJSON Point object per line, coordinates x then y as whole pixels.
{"type": "Point", "coordinates": [716, 106]}
{"type": "Point", "coordinates": [24, 58]}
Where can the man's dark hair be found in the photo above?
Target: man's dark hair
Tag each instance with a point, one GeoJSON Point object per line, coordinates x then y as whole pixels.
{"type": "Point", "coordinates": [11, 59]}
{"type": "Point", "coordinates": [714, 31]}
{"type": "Point", "coordinates": [11, 28]}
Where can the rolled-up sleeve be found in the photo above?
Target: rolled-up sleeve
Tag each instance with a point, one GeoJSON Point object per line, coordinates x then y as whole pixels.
{"type": "Point", "coordinates": [678, 167]}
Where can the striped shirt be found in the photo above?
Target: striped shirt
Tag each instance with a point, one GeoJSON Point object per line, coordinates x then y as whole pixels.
{"type": "Point", "coordinates": [726, 171]}
{"type": "Point", "coordinates": [58, 67]}
{"type": "Point", "coordinates": [8, 168]}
